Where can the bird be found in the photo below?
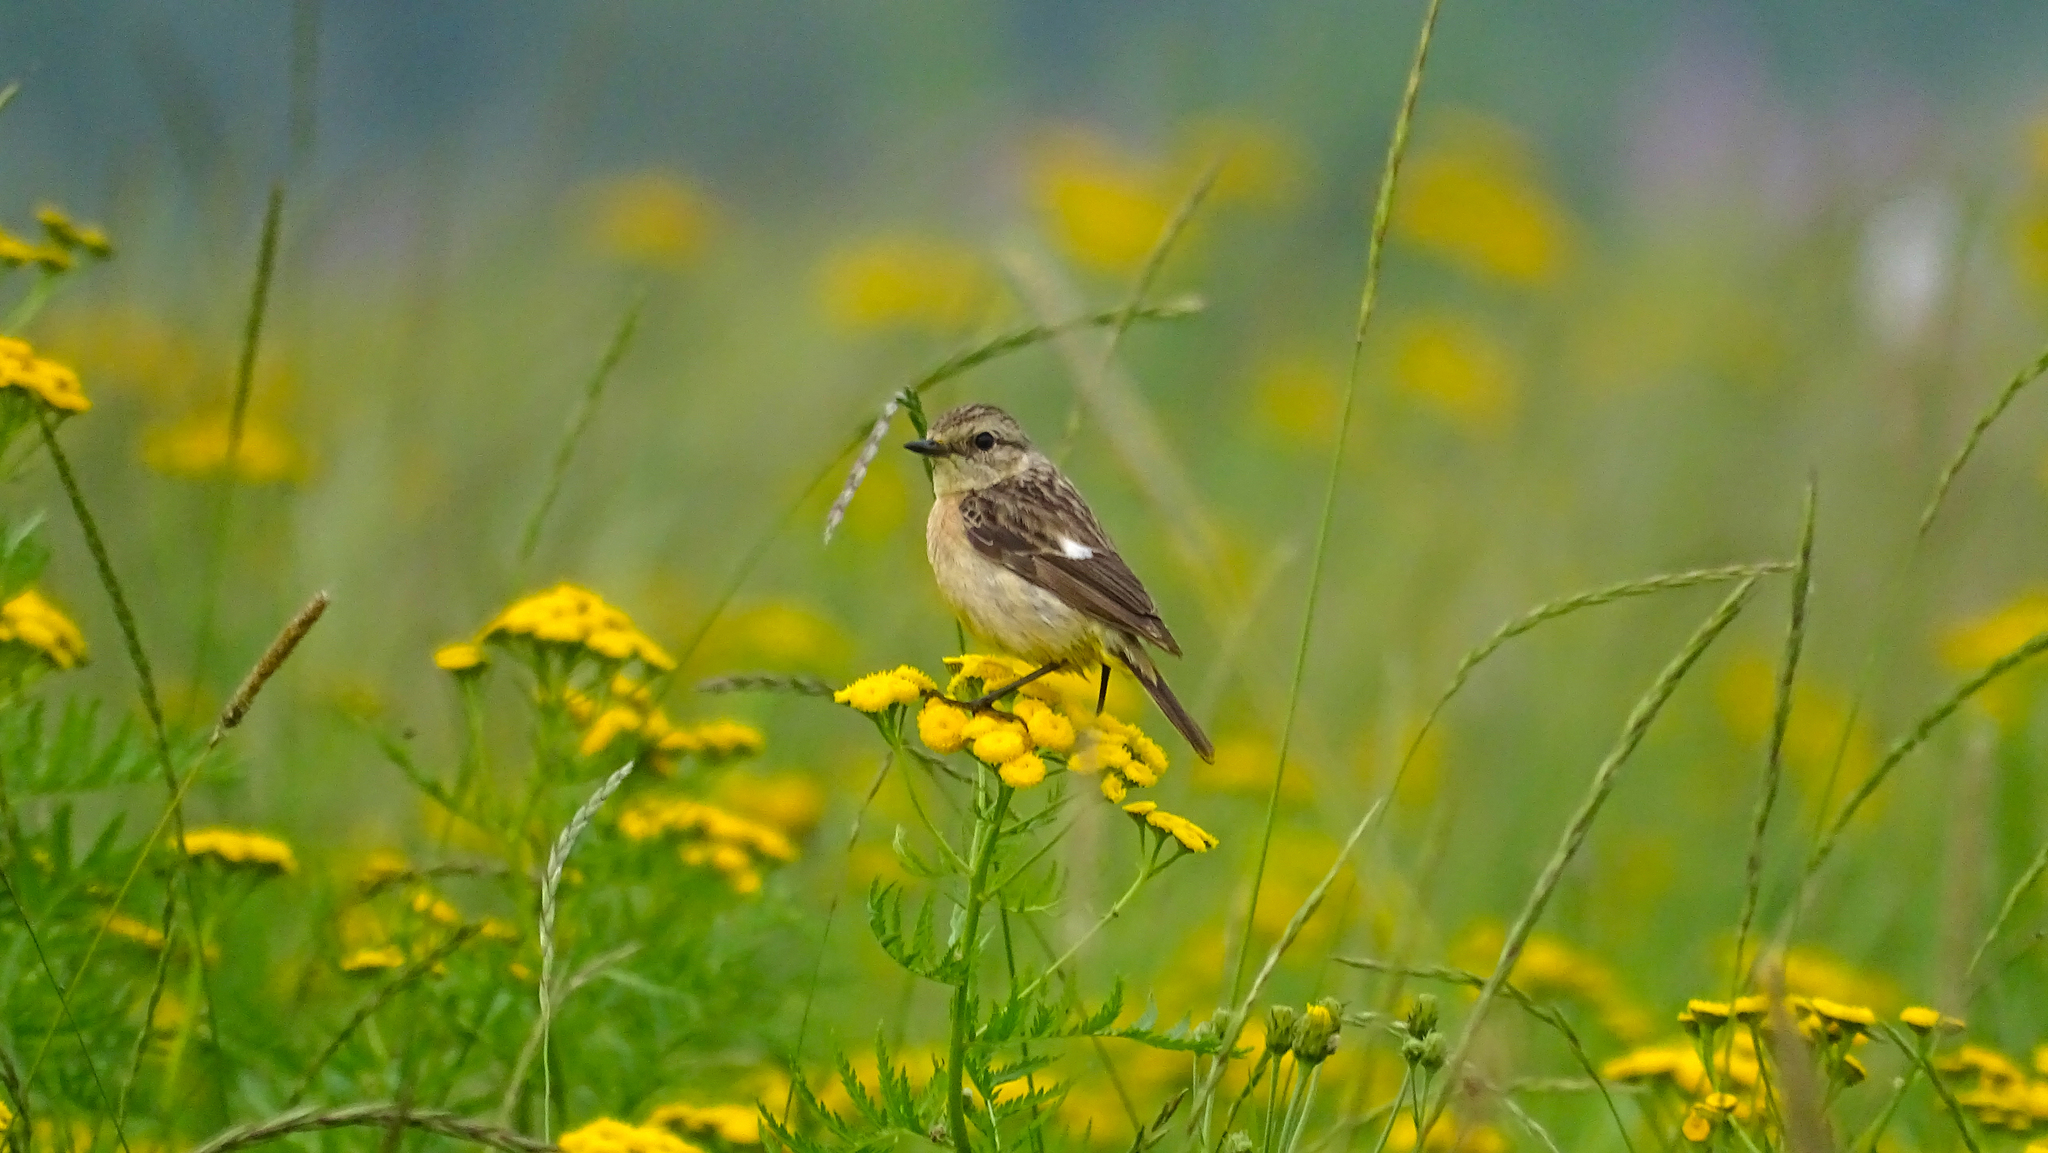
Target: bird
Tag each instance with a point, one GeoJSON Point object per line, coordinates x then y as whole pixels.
{"type": "Point", "coordinates": [1023, 562]}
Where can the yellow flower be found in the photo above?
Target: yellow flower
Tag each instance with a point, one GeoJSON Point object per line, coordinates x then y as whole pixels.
{"type": "Point", "coordinates": [1708, 1014]}
{"type": "Point", "coordinates": [939, 726]}
{"type": "Point", "coordinates": [196, 448]}
{"type": "Point", "coordinates": [14, 251]}
{"type": "Point", "coordinates": [1680, 1063]}
{"type": "Point", "coordinates": [570, 615]}
{"type": "Point", "coordinates": [238, 849]}
{"type": "Point", "coordinates": [730, 844]}
{"type": "Point", "coordinates": [1970, 645]}
{"type": "Point", "coordinates": [129, 929]}
{"type": "Point", "coordinates": [789, 802]}
{"type": "Point", "coordinates": [878, 691]}
{"type": "Point", "coordinates": [383, 867]}
{"type": "Point", "coordinates": [1190, 835]}
{"type": "Point", "coordinates": [732, 1124]}
{"type": "Point", "coordinates": [605, 1135]}
{"type": "Point", "coordinates": [67, 234]}
{"type": "Point", "coordinates": [1001, 745]}
{"type": "Point", "coordinates": [433, 908]}
{"type": "Point", "coordinates": [905, 281]}
{"type": "Point", "coordinates": [1113, 789]}
{"type": "Point", "coordinates": [1106, 210]}
{"type": "Point", "coordinates": [1457, 368]}
{"type": "Point", "coordinates": [1301, 398]}
{"type": "Point", "coordinates": [1049, 730]}
{"type": "Point", "coordinates": [460, 658]}
{"type": "Point", "coordinates": [1857, 1018]}
{"type": "Point", "coordinates": [30, 620]}
{"type": "Point", "coordinates": [39, 377]}
{"type": "Point", "coordinates": [1924, 1020]}
{"type": "Point", "coordinates": [723, 739]}
{"type": "Point", "coordinates": [373, 960]}
{"type": "Point", "coordinates": [1475, 206]}
{"type": "Point", "coordinates": [1699, 1124]}
{"type": "Point", "coordinates": [650, 217]}
{"type": "Point", "coordinates": [1022, 772]}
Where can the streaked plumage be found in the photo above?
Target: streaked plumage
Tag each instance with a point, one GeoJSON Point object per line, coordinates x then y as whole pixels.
{"type": "Point", "coordinates": [1020, 556]}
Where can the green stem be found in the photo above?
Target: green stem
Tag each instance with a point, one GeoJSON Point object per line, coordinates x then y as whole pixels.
{"type": "Point", "coordinates": [1144, 874]}
{"type": "Point", "coordinates": [1394, 1114]}
{"type": "Point", "coordinates": [1291, 1137]}
{"type": "Point", "coordinates": [963, 995]}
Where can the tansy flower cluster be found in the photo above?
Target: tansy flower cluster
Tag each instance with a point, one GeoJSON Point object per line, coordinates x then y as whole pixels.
{"type": "Point", "coordinates": [1996, 1090]}
{"type": "Point", "coordinates": [632, 713]}
{"type": "Point", "coordinates": [908, 282]}
{"type": "Point", "coordinates": [576, 619]}
{"type": "Point", "coordinates": [237, 849]}
{"type": "Point", "coordinates": [605, 1135]}
{"type": "Point", "coordinates": [1186, 833]}
{"type": "Point", "coordinates": [729, 1124]}
{"type": "Point", "coordinates": [712, 837]}
{"type": "Point", "coordinates": [878, 692]}
{"type": "Point", "coordinates": [39, 377]}
{"type": "Point", "coordinates": [1551, 967]}
{"type": "Point", "coordinates": [30, 621]}
{"type": "Point", "coordinates": [68, 234]}
{"type": "Point", "coordinates": [1123, 754]}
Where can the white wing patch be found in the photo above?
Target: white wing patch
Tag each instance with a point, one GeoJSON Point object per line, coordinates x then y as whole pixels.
{"type": "Point", "coordinates": [1075, 550]}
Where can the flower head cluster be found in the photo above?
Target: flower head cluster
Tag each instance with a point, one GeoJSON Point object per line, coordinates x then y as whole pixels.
{"type": "Point", "coordinates": [1106, 209]}
{"type": "Point", "coordinates": [371, 960]}
{"type": "Point", "coordinates": [879, 692]}
{"type": "Point", "coordinates": [1995, 1089]}
{"type": "Point", "coordinates": [727, 1124]}
{"type": "Point", "coordinates": [67, 234]}
{"type": "Point", "coordinates": [1551, 966]}
{"type": "Point", "coordinates": [32, 622]}
{"type": "Point", "coordinates": [632, 714]}
{"type": "Point", "coordinates": [653, 217]}
{"type": "Point", "coordinates": [605, 1135]}
{"type": "Point", "coordinates": [1122, 753]}
{"type": "Point", "coordinates": [574, 618]}
{"type": "Point", "coordinates": [238, 849]}
{"type": "Point", "coordinates": [40, 377]}
{"type": "Point", "coordinates": [1184, 832]}
{"type": "Point", "coordinates": [732, 845]}
{"type": "Point", "coordinates": [197, 448]}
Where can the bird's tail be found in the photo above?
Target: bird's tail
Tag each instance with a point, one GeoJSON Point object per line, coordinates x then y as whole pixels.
{"type": "Point", "coordinates": [1147, 674]}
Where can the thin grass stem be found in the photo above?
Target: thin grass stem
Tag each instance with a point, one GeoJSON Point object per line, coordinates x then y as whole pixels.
{"type": "Point", "coordinates": [63, 1004]}
{"type": "Point", "coordinates": [436, 1121]}
{"type": "Point", "coordinates": [1646, 710]}
{"type": "Point", "coordinates": [1383, 210]}
{"type": "Point", "coordinates": [1781, 715]}
{"type": "Point", "coordinates": [2027, 877]}
{"type": "Point", "coordinates": [238, 416]}
{"type": "Point", "coordinates": [586, 410]}
{"type": "Point", "coordinates": [375, 1001]}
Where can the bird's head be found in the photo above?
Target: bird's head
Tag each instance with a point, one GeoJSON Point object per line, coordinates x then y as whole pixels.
{"type": "Point", "coordinates": [974, 446]}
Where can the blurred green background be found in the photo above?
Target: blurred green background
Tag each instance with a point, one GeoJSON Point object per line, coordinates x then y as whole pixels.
{"type": "Point", "coordinates": [1652, 267]}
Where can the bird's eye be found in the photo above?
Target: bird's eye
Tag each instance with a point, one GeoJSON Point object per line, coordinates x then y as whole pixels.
{"type": "Point", "coordinates": [985, 441]}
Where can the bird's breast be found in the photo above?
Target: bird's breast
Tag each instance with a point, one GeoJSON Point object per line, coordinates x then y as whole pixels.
{"type": "Point", "coordinates": [994, 602]}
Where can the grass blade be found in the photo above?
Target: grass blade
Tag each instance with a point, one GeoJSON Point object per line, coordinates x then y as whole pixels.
{"type": "Point", "coordinates": [1781, 715]}
{"type": "Point", "coordinates": [1989, 417]}
{"type": "Point", "coordinates": [586, 409]}
{"type": "Point", "coordinates": [1645, 711]}
{"type": "Point", "coordinates": [1383, 211]}
{"type": "Point", "coordinates": [2026, 880]}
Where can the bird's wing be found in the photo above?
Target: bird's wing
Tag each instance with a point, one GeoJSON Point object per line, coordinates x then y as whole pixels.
{"type": "Point", "coordinates": [1037, 526]}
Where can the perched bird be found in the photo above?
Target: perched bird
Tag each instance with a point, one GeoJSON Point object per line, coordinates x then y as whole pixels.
{"type": "Point", "coordinates": [1020, 556]}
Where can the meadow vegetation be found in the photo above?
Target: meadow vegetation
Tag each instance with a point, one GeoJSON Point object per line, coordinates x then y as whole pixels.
{"type": "Point", "coordinates": [539, 730]}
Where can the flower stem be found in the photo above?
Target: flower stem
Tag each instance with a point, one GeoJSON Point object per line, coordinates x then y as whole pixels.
{"type": "Point", "coordinates": [1144, 874]}
{"type": "Point", "coordinates": [963, 994]}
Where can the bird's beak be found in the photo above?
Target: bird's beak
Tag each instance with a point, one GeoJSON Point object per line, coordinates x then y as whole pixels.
{"type": "Point", "coordinates": [928, 448]}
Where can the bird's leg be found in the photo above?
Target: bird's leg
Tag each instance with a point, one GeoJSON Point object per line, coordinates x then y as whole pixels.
{"type": "Point", "coordinates": [1102, 694]}
{"type": "Point", "coordinates": [993, 695]}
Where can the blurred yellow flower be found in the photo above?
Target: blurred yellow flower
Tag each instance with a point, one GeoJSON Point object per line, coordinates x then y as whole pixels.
{"type": "Point", "coordinates": [1448, 1136]}
{"type": "Point", "coordinates": [1105, 209]}
{"type": "Point", "coordinates": [1972, 644]}
{"type": "Point", "coordinates": [236, 848]}
{"type": "Point", "coordinates": [728, 843]}
{"type": "Point", "coordinates": [1301, 398]}
{"type": "Point", "coordinates": [1244, 764]}
{"type": "Point", "coordinates": [650, 217]}
{"type": "Point", "coordinates": [14, 251]}
{"type": "Point", "coordinates": [35, 623]}
{"type": "Point", "coordinates": [1549, 966]}
{"type": "Point", "coordinates": [1261, 164]}
{"type": "Point", "coordinates": [67, 234]}
{"type": "Point", "coordinates": [377, 959]}
{"type": "Point", "coordinates": [434, 908]}
{"type": "Point", "coordinates": [788, 801]}
{"type": "Point", "coordinates": [732, 1124]}
{"type": "Point", "coordinates": [129, 929]}
{"type": "Point", "coordinates": [905, 282]}
{"type": "Point", "coordinates": [461, 657]}
{"type": "Point", "coordinates": [40, 377]}
{"type": "Point", "coordinates": [1458, 368]}
{"type": "Point", "coordinates": [1747, 694]}
{"type": "Point", "coordinates": [605, 1135]}
{"type": "Point", "coordinates": [1474, 203]}
{"type": "Point", "coordinates": [196, 448]}
{"type": "Point", "coordinates": [575, 616]}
